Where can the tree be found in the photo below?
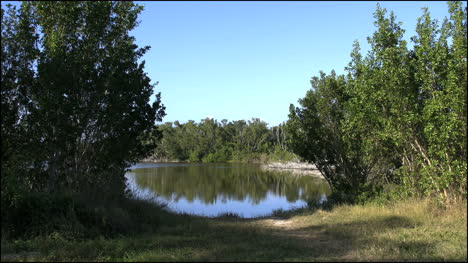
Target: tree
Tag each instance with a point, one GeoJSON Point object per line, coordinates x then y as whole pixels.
{"type": "Point", "coordinates": [316, 130]}
{"type": "Point", "coordinates": [441, 78]}
{"type": "Point", "coordinates": [398, 117]}
{"type": "Point", "coordinates": [381, 109]}
{"type": "Point", "coordinates": [87, 111]}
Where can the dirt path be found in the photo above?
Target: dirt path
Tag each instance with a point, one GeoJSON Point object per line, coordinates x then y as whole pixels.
{"type": "Point", "coordinates": [312, 238]}
{"type": "Point", "coordinates": [285, 228]}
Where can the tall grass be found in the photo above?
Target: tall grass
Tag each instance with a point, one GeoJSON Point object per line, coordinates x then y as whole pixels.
{"type": "Point", "coordinates": [410, 230]}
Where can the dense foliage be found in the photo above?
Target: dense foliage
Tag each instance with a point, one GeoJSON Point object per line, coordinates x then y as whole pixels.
{"type": "Point", "coordinates": [213, 141]}
{"type": "Point", "coordinates": [74, 98]}
{"type": "Point", "coordinates": [397, 117]}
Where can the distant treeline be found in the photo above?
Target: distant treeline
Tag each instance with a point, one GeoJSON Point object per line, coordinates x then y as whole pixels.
{"type": "Point", "coordinates": [213, 141]}
{"type": "Point", "coordinates": [398, 117]}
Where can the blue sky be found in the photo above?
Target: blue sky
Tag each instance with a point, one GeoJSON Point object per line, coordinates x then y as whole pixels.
{"type": "Point", "coordinates": [238, 60]}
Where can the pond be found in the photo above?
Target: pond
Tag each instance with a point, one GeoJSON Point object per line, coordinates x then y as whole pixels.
{"type": "Point", "coordinates": [215, 189]}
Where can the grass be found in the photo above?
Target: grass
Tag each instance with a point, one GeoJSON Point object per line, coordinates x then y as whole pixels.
{"type": "Point", "coordinates": [414, 230]}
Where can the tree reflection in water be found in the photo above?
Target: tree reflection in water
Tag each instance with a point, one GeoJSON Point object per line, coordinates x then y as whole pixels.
{"type": "Point", "coordinates": [214, 183]}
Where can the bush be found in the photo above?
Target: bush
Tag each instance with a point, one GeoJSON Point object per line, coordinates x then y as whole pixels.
{"type": "Point", "coordinates": [77, 215]}
{"type": "Point", "coordinates": [194, 156]}
{"type": "Point", "coordinates": [280, 155]}
{"type": "Point", "coordinates": [34, 213]}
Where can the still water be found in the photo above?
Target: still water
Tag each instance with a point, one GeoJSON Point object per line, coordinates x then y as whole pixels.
{"type": "Point", "coordinates": [215, 189]}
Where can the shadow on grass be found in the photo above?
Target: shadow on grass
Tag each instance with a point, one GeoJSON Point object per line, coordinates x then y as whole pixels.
{"type": "Point", "coordinates": [238, 241]}
{"type": "Point", "coordinates": [234, 239]}
{"type": "Point", "coordinates": [318, 243]}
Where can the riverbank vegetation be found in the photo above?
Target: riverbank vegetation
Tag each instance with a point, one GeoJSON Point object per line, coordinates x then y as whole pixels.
{"type": "Point", "coordinates": [213, 141]}
{"type": "Point", "coordinates": [390, 137]}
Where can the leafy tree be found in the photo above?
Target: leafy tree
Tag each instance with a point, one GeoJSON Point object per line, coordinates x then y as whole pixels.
{"type": "Point", "coordinates": [316, 130]}
{"type": "Point", "coordinates": [440, 73]}
{"type": "Point", "coordinates": [86, 111]}
{"type": "Point", "coordinates": [399, 116]}
{"type": "Point", "coordinates": [382, 98]}
{"type": "Point", "coordinates": [19, 55]}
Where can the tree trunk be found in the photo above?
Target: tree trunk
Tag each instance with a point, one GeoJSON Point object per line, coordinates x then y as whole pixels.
{"type": "Point", "coordinates": [52, 173]}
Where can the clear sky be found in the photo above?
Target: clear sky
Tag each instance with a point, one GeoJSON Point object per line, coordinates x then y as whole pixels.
{"type": "Point", "coordinates": [238, 60]}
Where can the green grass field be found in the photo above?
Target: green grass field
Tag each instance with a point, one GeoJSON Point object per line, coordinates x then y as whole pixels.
{"type": "Point", "coordinates": [414, 230]}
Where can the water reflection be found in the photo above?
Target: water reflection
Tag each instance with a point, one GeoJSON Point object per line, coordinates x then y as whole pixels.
{"type": "Point", "coordinates": [210, 189]}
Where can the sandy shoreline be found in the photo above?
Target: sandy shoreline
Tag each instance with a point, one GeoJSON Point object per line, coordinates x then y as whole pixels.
{"type": "Point", "coordinates": [294, 167]}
